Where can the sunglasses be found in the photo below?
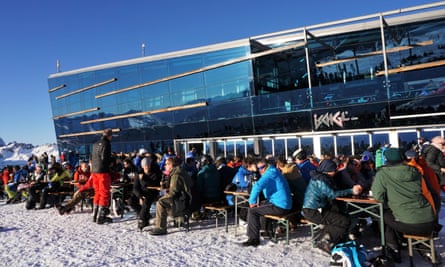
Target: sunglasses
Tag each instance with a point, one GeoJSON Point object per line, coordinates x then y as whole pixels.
{"type": "Point", "coordinates": [261, 167]}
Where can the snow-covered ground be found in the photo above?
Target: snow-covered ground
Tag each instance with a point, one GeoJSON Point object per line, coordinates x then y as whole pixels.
{"type": "Point", "coordinates": [44, 238]}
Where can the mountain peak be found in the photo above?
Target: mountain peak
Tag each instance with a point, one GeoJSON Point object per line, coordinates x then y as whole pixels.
{"type": "Point", "coordinates": [15, 153]}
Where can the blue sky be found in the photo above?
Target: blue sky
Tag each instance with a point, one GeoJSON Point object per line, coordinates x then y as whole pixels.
{"type": "Point", "coordinates": [82, 33]}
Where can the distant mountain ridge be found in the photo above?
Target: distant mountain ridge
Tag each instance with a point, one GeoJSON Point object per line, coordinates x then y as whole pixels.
{"type": "Point", "coordinates": [15, 153]}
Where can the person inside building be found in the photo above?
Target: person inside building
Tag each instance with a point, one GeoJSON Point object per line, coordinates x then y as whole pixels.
{"type": "Point", "coordinates": [278, 201]}
{"type": "Point", "coordinates": [398, 186]}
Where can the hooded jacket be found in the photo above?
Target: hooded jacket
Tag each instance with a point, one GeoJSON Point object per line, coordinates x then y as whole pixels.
{"type": "Point", "coordinates": [399, 187]}
{"type": "Point", "coordinates": [274, 187]}
{"type": "Point", "coordinates": [435, 160]}
{"type": "Point", "coordinates": [321, 190]}
{"type": "Point", "coordinates": [297, 184]}
{"type": "Point", "coordinates": [179, 190]}
{"type": "Point", "coordinates": [101, 156]}
{"type": "Point", "coordinates": [208, 183]}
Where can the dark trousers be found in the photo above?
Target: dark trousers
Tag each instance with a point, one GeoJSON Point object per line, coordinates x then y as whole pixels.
{"type": "Point", "coordinates": [254, 218]}
{"type": "Point", "coordinates": [393, 227]}
{"type": "Point", "coordinates": [55, 187]}
{"type": "Point", "coordinates": [335, 224]}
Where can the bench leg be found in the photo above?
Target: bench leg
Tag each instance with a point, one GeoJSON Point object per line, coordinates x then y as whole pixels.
{"type": "Point", "coordinates": [217, 213]}
{"type": "Point", "coordinates": [433, 252]}
{"type": "Point", "coordinates": [315, 228]}
{"type": "Point", "coordinates": [287, 232]}
{"type": "Point", "coordinates": [275, 225]}
{"type": "Point", "coordinates": [225, 221]}
{"type": "Point", "coordinates": [274, 231]}
{"type": "Point", "coordinates": [429, 243]}
{"type": "Point", "coordinates": [223, 213]}
{"type": "Point", "coordinates": [410, 252]}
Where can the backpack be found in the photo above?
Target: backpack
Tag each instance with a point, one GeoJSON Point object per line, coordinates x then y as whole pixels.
{"type": "Point", "coordinates": [379, 158]}
{"type": "Point", "coordinates": [348, 254]}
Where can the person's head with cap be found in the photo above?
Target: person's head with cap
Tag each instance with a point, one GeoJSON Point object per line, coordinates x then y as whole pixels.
{"type": "Point", "coordinates": [142, 151]}
{"type": "Point", "coordinates": [108, 133]}
{"type": "Point", "coordinates": [411, 154]}
{"type": "Point", "coordinates": [299, 154]}
{"type": "Point", "coordinates": [365, 158]}
{"type": "Point", "coordinates": [393, 155]}
{"type": "Point", "coordinates": [190, 154]}
{"type": "Point", "coordinates": [328, 167]}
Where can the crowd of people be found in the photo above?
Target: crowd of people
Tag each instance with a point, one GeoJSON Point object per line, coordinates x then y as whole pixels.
{"type": "Point", "coordinates": [407, 182]}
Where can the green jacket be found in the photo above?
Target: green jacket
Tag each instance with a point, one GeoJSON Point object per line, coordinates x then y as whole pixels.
{"type": "Point", "coordinates": [61, 178]}
{"type": "Point", "coordinates": [179, 191]}
{"type": "Point", "coordinates": [399, 187]}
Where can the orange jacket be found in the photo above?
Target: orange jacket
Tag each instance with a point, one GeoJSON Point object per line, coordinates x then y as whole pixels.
{"type": "Point", "coordinates": [428, 174]}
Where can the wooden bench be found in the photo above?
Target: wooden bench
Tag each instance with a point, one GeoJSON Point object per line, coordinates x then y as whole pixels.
{"type": "Point", "coordinates": [280, 220]}
{"type": "Point", "coordinates": [427, 241]}
{"type": "Point", "coordinates": [219, 209]}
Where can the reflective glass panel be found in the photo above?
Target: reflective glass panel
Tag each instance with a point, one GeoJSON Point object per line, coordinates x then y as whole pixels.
{"type": "Point", "coordinates": [280, 147]}
{"type": "Point", "coordinates": [346, 57]}
{"type": "Point", "coordinates": [380, 139]}
{"type": "Point", "coordinates": [361, 143]}
{"type": "Point", "coordinates": [266, 145]}
{"type": "Point", "coordinates": [292, 145]}
{"type": "Point", "coordinates": [327, 145]}
{"type": "Point", "coordinates": [344, 145]}
{"type": "Point", "coordinates": [407, 140]}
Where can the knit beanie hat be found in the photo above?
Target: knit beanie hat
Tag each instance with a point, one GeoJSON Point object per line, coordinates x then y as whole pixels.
{"type": "Point", "coordinates": [394, 155]}
{"type": "Point", "coordinates": [327, 165]}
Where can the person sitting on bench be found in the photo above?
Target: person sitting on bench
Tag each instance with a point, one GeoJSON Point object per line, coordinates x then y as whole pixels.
{"type": "Point", "coordinates": [278, 198]}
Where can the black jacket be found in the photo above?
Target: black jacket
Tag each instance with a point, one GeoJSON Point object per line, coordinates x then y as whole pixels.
{"type": "Point", "coordinates": [101, 156]}
{"type": "Point", "coordinates": [143, 181]}
{"type": "Point", "coordinates": [435, 160]}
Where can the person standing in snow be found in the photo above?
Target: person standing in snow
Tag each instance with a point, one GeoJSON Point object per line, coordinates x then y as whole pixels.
{"type": "Point", "coordinates": [101, 161]}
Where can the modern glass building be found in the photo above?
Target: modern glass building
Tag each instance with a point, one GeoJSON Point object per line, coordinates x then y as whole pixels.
{"type": "Point", "coordinates": [332, 88]}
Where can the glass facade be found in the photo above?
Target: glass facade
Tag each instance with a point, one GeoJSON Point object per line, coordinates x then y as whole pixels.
{"type": "Point", "coordinates": [331, 89]}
